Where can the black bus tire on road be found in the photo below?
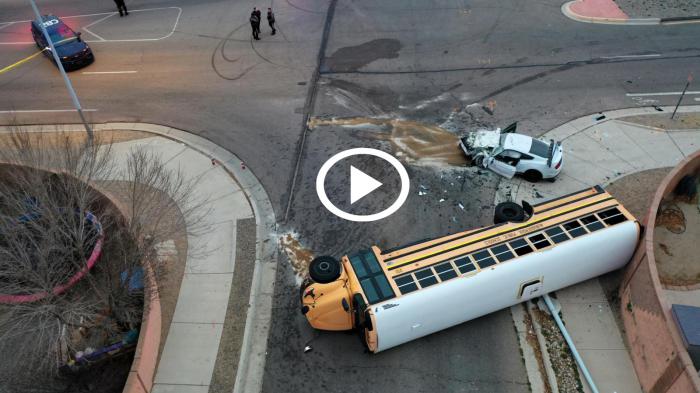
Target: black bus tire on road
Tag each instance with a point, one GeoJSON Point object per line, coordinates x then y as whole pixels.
{"type": "Point", "coordinates": [508, 212]}
{"type": "Point", "coordinates": [324, 269]}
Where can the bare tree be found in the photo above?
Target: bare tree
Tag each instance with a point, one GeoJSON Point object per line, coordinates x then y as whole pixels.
{"type": "Point", "coordinates": [53, 214]}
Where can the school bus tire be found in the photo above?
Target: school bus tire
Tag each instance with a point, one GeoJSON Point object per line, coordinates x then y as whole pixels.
{"type": "Point", "coordinates": [508, 212]}
{"type": "Point", "coordinates": [324, 269]}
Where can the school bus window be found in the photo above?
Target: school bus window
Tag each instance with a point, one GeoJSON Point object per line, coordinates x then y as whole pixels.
{"type": "Point", "coordinates": [521, 247]}
{"type": "Point", "coordinates": [370, 291]}
{"type": "Point", "coordinates": [612, 216]}
{"type": "Point", "coordinates": [371, 277]}
{"type": "Point", "coordinates": [592, 224]}
{"type": "Point", "coordinates": [557, 234]}
{"type": "Point", "coordinates": [539, 241]}
{"type": "Point", "coordinates": [574, 228]}
{"type": "Point", "coordinates": [384, 286]}
{"type": "Point", "coordinates": [502, 252]}
{"type": "Point", "coordinates": [372, 262]}
{"type": "Point", "coordinates": [358, 266]}
{"type": "Point", "coordinates": [445, 271]}
{"type": "Point", "coordinates": [406, 284]}
{"type": "Point", "coordinates": [426, 277]}
{"type": "Point", "coordinates": [465, 265]}
{"type": "Point", "coordinates": [484, 259]}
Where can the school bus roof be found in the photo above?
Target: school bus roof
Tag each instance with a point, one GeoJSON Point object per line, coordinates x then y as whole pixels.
{"type": "Point", "coordinates": [416, 256]}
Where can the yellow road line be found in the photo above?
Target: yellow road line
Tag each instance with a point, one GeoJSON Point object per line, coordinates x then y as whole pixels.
{"type": "Point", "coordinates": [26, 59]}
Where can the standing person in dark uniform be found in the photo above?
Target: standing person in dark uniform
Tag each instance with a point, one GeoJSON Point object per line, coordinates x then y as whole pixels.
{"type": "Point", "coordinates": [271, 20]}
{"type": "Point", "coordinates": [121, 7]}
{"type": "Point", "coordinates": [259, 14]}
{"type": "Point", "coordinates": [255, 23]}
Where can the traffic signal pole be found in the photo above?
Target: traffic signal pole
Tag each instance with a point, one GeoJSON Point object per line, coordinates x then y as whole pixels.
{"type": "Point", "coordinates": [69, 86]}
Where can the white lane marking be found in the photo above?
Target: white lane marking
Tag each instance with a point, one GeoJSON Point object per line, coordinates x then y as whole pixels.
{"type": "Point", "coordinates": [630, 56]}
{"type": "Point", "coordinates": [95, 22]}
{"type": "Point", "coordinates": [177, 20]}
{"type": "Point", "coordinates": [93, 34]}
{"type": "Point", "coordinates": [666, 93]}
{"type": "Point", "coordinates": [97, 14]}
{"type": "Point", "coordinates": [4, 25]}
{"type": "Point", "coordinates": [100, 20]}
{"type": "Point", "coordinates": [697, 99]}
{"type": "Point", "coordinates": [108, 72]}
{"type": "Point", "coordinates": [47, 110]}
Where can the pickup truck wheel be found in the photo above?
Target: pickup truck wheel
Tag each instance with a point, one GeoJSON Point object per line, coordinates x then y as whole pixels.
{"type": "Point", "coordinates": [532, 176]}
{"type": "Point", "coordinates": [324, 269]}
{"type": "Point", "coordinates": [508, 212]}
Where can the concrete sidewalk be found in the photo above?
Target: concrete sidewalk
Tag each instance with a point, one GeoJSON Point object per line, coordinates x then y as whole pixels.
{"type": "Point", "coordinates": [232, 193]}
{"type": "Point", "coordinates": [599, 149]}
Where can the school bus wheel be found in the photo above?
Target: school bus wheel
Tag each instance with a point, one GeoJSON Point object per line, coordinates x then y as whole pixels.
{"type": "Point", "coordinates": [324, 269]}
{"type": "Point", "coordinates": [508, 212]}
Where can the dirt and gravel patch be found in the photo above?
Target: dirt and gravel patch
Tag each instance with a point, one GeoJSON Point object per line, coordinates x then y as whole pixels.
{"type": "Point", "coordinates": [675, 241]}
{"type": "Point", "coordinates": [659, 8]}
{"type": "Point", "coordinates": [636, 191]}
{"type": "Point", "coordinates": [560, 357]}
{"type": "Point", "coordinates": [682, 121]}
{"type": "Point", "coordinates": [531, 338]}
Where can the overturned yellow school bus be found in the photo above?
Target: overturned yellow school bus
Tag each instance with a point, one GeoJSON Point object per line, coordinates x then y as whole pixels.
{"type": "Point", "coordinates": [395, 296]}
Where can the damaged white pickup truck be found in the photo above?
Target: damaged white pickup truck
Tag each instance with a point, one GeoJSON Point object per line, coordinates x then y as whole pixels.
{"type": "Point", "coordinates": [508, 153]}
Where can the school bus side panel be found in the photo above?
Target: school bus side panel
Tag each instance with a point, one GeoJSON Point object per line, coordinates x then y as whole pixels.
{"type": "Point", "coordinates": [461, 299]}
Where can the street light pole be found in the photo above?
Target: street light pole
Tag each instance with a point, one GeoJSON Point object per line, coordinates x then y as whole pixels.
{"type": "Point", "coordinates": [69, 86]}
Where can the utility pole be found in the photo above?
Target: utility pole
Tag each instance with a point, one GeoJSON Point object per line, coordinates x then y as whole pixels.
{"type": "Point", "coordinates": [690, 79]}
{"type": "Point", "coordinates": [69, 86]}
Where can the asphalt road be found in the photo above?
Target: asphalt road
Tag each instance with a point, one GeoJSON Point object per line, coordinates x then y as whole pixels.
{"type": "Point", "coordinates": [433, 62]}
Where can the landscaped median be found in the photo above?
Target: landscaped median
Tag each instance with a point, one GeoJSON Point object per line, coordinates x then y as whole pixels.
{"type": "Point", "coordinates": [192, 333]}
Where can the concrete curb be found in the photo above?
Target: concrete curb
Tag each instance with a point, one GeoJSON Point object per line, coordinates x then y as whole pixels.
{"type": "Point", "coordinates": [675, 20]}
{"type": "Point", "coordinates": [584, 122]}
{"type": "Point", "coordinates": [532, 368]}
{"type": "Point", "coordinates": [253, 349]}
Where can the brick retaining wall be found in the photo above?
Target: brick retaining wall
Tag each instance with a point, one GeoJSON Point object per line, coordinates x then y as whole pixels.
{"type": "Point", "coordinates": [659, 357]}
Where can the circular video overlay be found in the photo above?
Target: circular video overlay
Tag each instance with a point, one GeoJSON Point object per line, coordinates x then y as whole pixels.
{"type": "Point", "coordinates": [321, 191]}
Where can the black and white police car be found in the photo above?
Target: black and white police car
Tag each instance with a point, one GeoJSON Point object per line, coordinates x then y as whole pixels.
{"type": "Point", "coordinates": [71, 49]}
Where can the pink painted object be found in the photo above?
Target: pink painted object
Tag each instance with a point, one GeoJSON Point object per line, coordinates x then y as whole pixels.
{"type": "Point", "coordinates": [606, 9]}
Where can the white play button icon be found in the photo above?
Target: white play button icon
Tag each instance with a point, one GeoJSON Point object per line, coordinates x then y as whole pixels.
{"type": "Point", "coordinates": [361, 184]}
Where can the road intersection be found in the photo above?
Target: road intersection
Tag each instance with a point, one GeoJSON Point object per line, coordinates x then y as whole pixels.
{"type": "Point", "coordinates": [192, 65]}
